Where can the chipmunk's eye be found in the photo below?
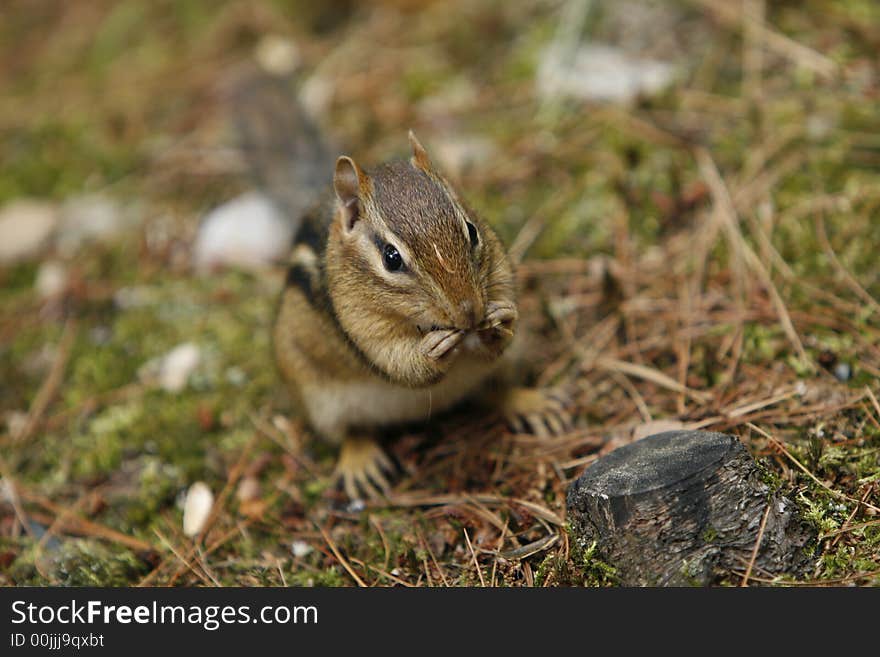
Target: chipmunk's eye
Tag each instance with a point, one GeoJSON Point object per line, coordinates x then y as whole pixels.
{"type": "Point", "coordinates": [472, 233]}
{"type": "Point", "coordinates": [391, 257]}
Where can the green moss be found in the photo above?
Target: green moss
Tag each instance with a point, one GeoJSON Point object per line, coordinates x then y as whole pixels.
{"type": "Point", "coordinates": [329, 577]}
{"type": "Point", "coordinates": [585, 567]}
{"type": "Point", "coordinates": [78, 562]}
{"type": "Point", "coordinates": [54, 159]}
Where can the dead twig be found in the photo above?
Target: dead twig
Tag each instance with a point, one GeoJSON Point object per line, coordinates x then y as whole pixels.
{"type": "Point", "coordinates": [335, 550]}
{"type": "Point", "coordinates": [760, 537]}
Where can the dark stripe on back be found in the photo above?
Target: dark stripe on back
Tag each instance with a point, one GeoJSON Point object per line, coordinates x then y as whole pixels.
{"type": "Point", "coordinates": [298, 276]}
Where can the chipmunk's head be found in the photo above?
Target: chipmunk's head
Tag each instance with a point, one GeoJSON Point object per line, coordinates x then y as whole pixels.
{"type": "Point", "coordinates": [405, 258]}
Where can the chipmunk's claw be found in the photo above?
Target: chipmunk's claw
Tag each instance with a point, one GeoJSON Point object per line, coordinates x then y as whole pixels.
{"type": "Point", "coordinates": [499, 314]}
{"type": "Point", "coordinates": [544, 413]}
{"type": "Point", "coordinates": [363, 469]}
{"type": "Point", "coordinates": [438, 343]}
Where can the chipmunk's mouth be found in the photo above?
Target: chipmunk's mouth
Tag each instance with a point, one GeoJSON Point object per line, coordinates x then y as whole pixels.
{"type": "Point", "coordinates": [424, 329]}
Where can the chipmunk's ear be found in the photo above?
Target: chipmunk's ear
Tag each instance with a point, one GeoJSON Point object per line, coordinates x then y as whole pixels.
{"type": "Point", "coordinates": [420, 159]}
{"type": "Point", "coordinates": [349, 181]}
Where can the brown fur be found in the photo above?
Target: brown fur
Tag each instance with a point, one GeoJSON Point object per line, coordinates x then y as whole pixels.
{"type": "Point", "coordinates": [345, 324]}
{"type": "Point", "coordinates": [363, 347]}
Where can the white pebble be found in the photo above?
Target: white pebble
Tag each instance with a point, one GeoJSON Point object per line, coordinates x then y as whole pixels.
{"type": "Point", "coordinates": [248, 489]}
{"type": "Point", "coordinates": [51, 279]}
{"type": "Point", "coordinates": [316, 94]}
{"type": "Point", "coordinates": [25, 229]}
{"type": "Point", "coordinates": [247, 232]}
{"type": "Point", "coordinates": [172, 371]}
{"type": "Point", "coordinates": [89, 219]}
{"type": "Point", "coordinates": [197, 508]}
{"type": "Point", "coordinates": [459, 154]}
{"type": "Point", "coordinates": [843, 371]}
{"type": "Point", "coordinates": [16, 421]}
{"type": "Point", "coordinates": [300, 549]}
{"type": "Point", "coordinates": [599, 72]}
{"type": "Point", "coordinates": [177, 365]}
{"type": "Point", "coordinates": [277, 55]}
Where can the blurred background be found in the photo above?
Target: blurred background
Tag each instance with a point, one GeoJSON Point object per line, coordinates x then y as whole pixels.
{"type": "Point", "coordinates": [692, 185]}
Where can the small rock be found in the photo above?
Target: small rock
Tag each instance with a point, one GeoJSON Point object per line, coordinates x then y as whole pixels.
{"type": "Point", "coordinates": [843, 371]}
{"type": "Point", "coordinates": [172, 371]}
{"type": "Point", "coordinates": [300, 549]}
{"type": "Point", "coordinates": [127, 298]}
{"type": "Point", "coordinates": [457, 97]}
{"type": "Point", "coordinates": [459, 154]}
{"type": "Point", "coordinates": [599, 72]}
{"type": "Point", "coordinates": [248, 489]}
{"type": "Point", "coordinates": [51, 279]}
{"type": "Point", "coordinates": [26, 227]}
{"type": "Point", "coordinates": [7, 492]}
{"type": "Point", "coordinates": [89, 219]}
{"type": "Point", "coordinates": [100, 335]}
{"type": "Point", "coordinates": [247, 232]}
{"type": "Point", "coordinates": [197, 508]}
{"type": "Point", "coordinates": [16, 421]}
{"type": "Point", "coordinates": [236, 376]}
{"type": "Point", "coordinates": [177, 365]}
{"type": "Point", "coordinates": [277, 55]}
{"type": "Point", "coordinates": [356, 506]}
{"type": "Point", "coordinates": [316, 94]}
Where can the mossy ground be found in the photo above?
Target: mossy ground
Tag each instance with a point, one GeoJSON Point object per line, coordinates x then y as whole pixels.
{"type": "Point", "coordinates": [631, 263]}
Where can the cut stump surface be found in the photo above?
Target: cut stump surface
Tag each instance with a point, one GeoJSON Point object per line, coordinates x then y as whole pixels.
{"type": "Point", "coordinates": [686, 508]}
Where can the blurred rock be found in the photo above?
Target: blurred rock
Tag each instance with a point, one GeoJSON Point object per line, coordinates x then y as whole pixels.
{"type": "Point", "coordinates": [16, 421]}
{"type": "Point", "coordinates": [598, 72]}
{"type": "Point", "coordinates": [300, 549]}
{"type": "Point", "coordinates": [90, 219]}
{"type": "Point", "coordinates": [277, 55]}
{"type": "Point", "coordinates": [457, 155]}
{"type": "Point", "coordinates": [248, 489]}
{"type": "Point", "coordinates": [843, 371]}
{"type": "Point", "coordinates": [247, 232]}
{"type": "Point", "coordinates": [172, 371]}
{"type": "Point", "coordinates": [456, 97]}
{"type": "Point", "coordinates": [316, 94]}
{"type": "Point", "coordinates": [197, 508]}
{"type": "Point", "coordinates": [51, 279]}
{"type": "Point", "coordinates": [26, 227]}
{"type": "Point", "coordinates": [618, 50]}
{"type": "Point", "coordinates": [137, 296]}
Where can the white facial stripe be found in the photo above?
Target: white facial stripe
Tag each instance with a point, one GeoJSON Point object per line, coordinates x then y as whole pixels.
{"type": "Point", "coordinates": [388, 237]}
{"type": "Point", "coordinates": [460, 214]}
{"type": "Point", "coordinates": [374, 255]}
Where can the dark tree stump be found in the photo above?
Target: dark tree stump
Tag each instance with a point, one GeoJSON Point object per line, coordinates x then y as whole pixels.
{"type": "Point", "coordinates": [683, 508]}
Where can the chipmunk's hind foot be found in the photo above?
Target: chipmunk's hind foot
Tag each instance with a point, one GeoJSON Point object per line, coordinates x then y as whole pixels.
{"type": "Point", "coordinates": [363, 469]}
{"type": "Point", "coordinates": [539, 411]}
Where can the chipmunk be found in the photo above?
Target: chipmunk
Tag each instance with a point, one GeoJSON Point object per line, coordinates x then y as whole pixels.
{"type": "Point", "coordinates": [399, 303]}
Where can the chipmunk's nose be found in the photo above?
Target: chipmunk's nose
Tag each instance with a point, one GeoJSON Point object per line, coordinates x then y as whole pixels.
{"type": "Point", "coordinates": [471, 313]}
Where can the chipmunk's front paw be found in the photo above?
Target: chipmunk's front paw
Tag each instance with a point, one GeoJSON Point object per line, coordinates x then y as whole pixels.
{"type": "Point", "coordinates": [363, 469]}
{"type": "Point", "coordinates": [500, 314]}
{"type": "Point", "coordinates": [496, 331]}
{"type": "Point", "coordinates": [543, 412]}
{"type": "Point", "coordinates": [438, 343]}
